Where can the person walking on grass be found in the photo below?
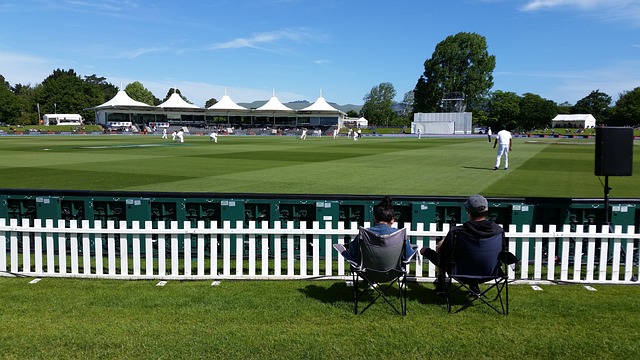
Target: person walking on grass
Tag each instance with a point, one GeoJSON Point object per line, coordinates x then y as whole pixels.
{"type": "Point", "coordinates": [504, 140]}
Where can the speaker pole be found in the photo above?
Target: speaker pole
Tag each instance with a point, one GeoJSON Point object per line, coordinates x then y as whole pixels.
{"type": "Point", "coordinates": [606, 200]}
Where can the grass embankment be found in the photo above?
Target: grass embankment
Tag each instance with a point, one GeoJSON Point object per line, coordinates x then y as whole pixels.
{"type": "Point", "coordinates": [26, 129]}
{"type": "Point", "coordinates": [66, 318]}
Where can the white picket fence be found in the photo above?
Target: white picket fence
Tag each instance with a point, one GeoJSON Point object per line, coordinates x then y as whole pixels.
{"type": "Point", "coordinates": [258, 251]}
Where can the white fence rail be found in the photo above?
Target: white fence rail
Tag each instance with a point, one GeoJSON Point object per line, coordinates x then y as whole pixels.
{"type": "Point", "coordinates": [284, 251]}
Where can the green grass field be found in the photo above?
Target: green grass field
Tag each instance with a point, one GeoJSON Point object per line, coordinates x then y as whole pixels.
{"type": "Point", "coordinates": [105, 319]}
{"type": "Point", "coordinates": [286, 165]}
{"type": "Point", "coordinates": [110, 319]}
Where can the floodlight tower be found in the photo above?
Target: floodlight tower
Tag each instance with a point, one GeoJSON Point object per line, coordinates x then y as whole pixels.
{"type": "Point", "coordinates": [454, 102]}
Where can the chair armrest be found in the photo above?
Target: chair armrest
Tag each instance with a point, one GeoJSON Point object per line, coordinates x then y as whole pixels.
{"type": "Point", "coordinates": [414, 255]}
{"type": "Point", "coordinates": [345, 254]}
{"type": "Point", "coordinates": [507, 257]}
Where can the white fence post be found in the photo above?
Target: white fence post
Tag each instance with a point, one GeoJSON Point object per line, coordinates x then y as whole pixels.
{"type": "Point", "coordinates": [587, 254]}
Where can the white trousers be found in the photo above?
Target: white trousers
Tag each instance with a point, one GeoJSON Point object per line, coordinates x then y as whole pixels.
{"type": "Point", "coordinates": [503, 150]}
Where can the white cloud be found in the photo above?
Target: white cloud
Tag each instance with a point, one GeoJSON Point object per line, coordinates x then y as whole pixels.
{"type": "Point", "coordinates": [583, 4]}
{"type": "Point", "coordinates": [134, 53]}
{"type": "Point", "coordinates": [262, 40]}
{"type": "Point", "coordinates": [608, 10]}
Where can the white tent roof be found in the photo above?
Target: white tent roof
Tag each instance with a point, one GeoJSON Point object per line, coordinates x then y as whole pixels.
{"type": "Point", "coordinates": [121, 99]}
{"type": "Point", "coordinates": [320, 105]}
{"type": "Point", "coordinates": [273, 105]}
{"type": "Point", "coordinates": [574, 117]}
{"type": "Point", "coordinates": [226, 104]}
{"type": "Point", "coordinates": [587, 120]}
{"type": "Point", "coordinates": [175, 101]}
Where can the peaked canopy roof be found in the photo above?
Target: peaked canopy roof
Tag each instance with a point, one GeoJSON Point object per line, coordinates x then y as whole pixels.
{"type": "Point", "coordinates": [320, 105]}
{"type": "Point", "coordinates": [121, 99]}
{"type": "Point", "coordinates": [175, 101]}
{"type": "Point", "coordinates": [226, 104]}
{"type": "Point", "coordinates": [273, 105]}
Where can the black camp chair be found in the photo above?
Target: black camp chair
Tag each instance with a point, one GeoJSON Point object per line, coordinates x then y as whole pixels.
{"type": "Point", "coordinates": [381, 268]}
{"type": "Point", "coordinates": [477, 262]}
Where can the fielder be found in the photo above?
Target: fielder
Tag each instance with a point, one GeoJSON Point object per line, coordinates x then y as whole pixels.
{"type": "Point", "coordinates": [503, 138]}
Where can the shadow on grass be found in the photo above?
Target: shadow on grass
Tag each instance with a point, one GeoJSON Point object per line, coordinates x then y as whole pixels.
{"type": "Point", "coordinates": [336, 294]}
{"type": "Point", "coordinates": [477, 168]}
{"type": "Point", "coordinates": [340, 294]}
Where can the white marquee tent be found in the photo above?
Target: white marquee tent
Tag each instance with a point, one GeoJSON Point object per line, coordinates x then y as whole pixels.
{"type": "Point", "coordinates": [574, 121]}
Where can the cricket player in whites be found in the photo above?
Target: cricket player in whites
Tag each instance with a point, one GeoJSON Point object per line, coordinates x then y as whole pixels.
{"type": "Point", "coordinates": [503, 139]}
{"type": "Point", "coordinates": [213, 137]}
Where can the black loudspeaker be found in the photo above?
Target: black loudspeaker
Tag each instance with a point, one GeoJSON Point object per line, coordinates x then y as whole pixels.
{"type": "Point", "coordinates": [614, 151]}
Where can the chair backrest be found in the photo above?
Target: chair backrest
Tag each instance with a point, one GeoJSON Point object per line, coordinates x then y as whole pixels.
{"type": "Point", "coordinates": [382, 252]}
{"type": "Point", "coordinates": [474, 256]}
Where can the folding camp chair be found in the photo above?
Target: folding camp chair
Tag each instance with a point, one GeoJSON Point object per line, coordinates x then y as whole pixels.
{"type": "Point", "coordinates": [478, 262]}
{"type": "Point", "coordinates": [380, 268]}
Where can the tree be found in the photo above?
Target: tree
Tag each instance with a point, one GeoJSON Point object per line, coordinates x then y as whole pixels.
{"type": "Point", "coordinates": [210, 102]}
{"type": "Point", "coordinates": [536, 112]}
{"type": "Point", "coordinates": [177, 91]}
{"type": "Point", "coordinates": [107, 89]}
{"type": "Point", "coordinates": [378, 104]}
{"type": "Point", "coordinates": [564, 108]}
{"type": "Point", "coordinates": [627, 109]}
{"type": "Point", "coordinates": [597, 104]}
{"type": "Point", "coordinates": [503, 110]}
{"type": "Point", "coordinates": [407, 104]}
{"type": "Point", "coordinates": [9, 106]}
{"type": "Point", "coordinates": [352, 113]}
{"type": "Point", "coordinates": [138, 92]}
{"type": "Point", "coordinates": [65, 92]}
{"type": "Point", "coordinates": [460, 63]}
{"type": "Point", "coordinates": [426, 99]}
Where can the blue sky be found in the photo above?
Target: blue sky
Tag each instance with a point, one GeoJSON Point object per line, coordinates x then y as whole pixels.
{"type": "Point", "coordinates": [559, 49]}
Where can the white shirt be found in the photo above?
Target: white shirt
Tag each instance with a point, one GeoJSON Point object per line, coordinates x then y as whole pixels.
{"type": "Point", "coordinates": [504, 137]}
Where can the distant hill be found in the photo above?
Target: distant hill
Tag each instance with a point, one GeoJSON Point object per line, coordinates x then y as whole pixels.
{"type": "Point", "coordinates": [301, 104]}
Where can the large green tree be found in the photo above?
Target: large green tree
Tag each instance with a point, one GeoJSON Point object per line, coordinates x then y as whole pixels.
{"type": "Point", "coordinates": [107, 89]}
{"type": "Point", "coordinates": [378, 104]}
{"type": "Point", "coordinates": [9, 105]}
{"type": "Point", "coordinates": [138, 92]}
{"type": "Point", "coordinates": [536, 112]}
{"type": "Point", "coordinates": [65, 92]}
{"type": "Point", "coordinates": [460, 63]}
{"type": "Point", "coordinates": [597, 104]}
{"type": "Point", "coordinates": [503, 109]}
{"type": "Point", "coordinates": [627, 109]}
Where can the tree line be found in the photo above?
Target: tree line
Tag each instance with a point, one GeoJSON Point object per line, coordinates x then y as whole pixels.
{"type": "Point", "coordinates": [461, 65]}
{"type": "Point", "coordinates": [65, 92]}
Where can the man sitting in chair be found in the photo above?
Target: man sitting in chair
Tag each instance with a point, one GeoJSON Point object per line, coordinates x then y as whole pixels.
{"type": "Point", "coordinates": [383, 218]}
{"type": "Point", "coordinates": [477, 227]}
